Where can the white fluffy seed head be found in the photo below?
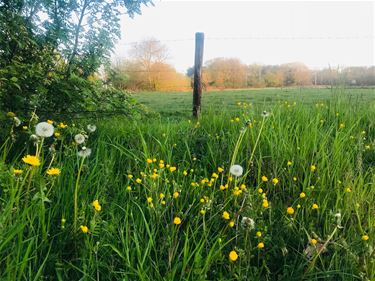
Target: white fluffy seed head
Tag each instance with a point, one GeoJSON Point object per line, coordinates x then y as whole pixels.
{"type": "Point", "coordinates": [236, 170]}
{"type": "Point", "coordinates": [44, 129]}
{"type": "Point", "coordinates": [79, 138]}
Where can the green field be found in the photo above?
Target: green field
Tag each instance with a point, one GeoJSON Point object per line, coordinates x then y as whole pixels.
{"type": "Point", "coordinates": [156, 199]}
{"type": "Point", "coordinates": [180, 103]}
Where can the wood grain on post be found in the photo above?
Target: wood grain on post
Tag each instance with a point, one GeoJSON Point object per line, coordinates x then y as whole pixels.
{"type": "Point", "coordinates": [197, 91]}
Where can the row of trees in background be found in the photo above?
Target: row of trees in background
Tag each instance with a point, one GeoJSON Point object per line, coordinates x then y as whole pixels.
{"type": "Point", "coordinates": [147, 69]}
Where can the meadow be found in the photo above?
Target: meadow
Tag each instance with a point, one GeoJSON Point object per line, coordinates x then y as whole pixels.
{"type": "Point", "coordinates": [266, 185]}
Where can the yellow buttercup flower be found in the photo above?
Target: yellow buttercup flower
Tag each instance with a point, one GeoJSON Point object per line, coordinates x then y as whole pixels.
{"type": "Point", "coordinates": [265, 203]}
{"type": "Point", "coordinates": [62, 125]}
{"type": "Point", "coordinates": [275, 181]}
{"type": "Point", "coordinates": [149, 161]}
{"type": "Point", "coordinates": [231, 224]}
{"type": "Point", "coordinates": [260, 190]}
{"type": "Point", "coordinates": [172, 168]}
{"type": "Point", "coordinates": [233, 256]}
{"type": "Point", "coordinates": [259, 234]}
{"type": "Point", "coordinates": [185, 173]}
{"type": "Point", "coordinates": [315, 206]}
{"type": "Point", "coordinates": [313, 242]}
{"type": "Point", "coordinates": [220, 169]}
{"type": "Point", "coordinates": [96, 205]}
{"type": "Point", "coordinates": [161, 195]}
{"type": "Point", "coordinates": [365, 237]}
{"type": "Point", "coordinates": [289, 163]}
{"type": "Point", "coordinates": [31, 160]}
{"type": "Point", "coordinates": [149, 200]}
{"type": "Point", "coordinates": [290, 210]}
{"type": "Point", "coordinates": [50, 121]}
{"type": "Point", "coordinates": [176, 194]}
{"type": "Point", "coordinates": [313, 168]}
{"type": "Point", "coordinates": [53, 172]}
{"type": "Point", "coordinates": [260, 245]}
{"type": "Point", "coordinates": [138, 180]}
{"type": "Point", "coordinates": [264, 179]}
{"type": "Point", "coordinates": [177, 221]}
{"type": "Point", "coordinates": [17, 172]}
{"type": "Point", "coordinates": [302, 195]}
{"type": "Point", "coordinates": [226, 215]}
{"type": "Point", "coordinates": [84, 228]}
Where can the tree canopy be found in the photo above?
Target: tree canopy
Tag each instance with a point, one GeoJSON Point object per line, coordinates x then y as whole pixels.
{"type": "Point", "coordinates": [49, 42]}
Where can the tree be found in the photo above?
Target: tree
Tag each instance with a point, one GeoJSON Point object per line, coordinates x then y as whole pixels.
{"type": "Point", "coordinates": [226, 73]}
{"type": "Point", "coordinates": [146, 54]}
{"type": "Point", "coordinates": [46, 42]}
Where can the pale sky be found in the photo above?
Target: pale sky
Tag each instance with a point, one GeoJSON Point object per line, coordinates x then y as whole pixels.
{"type": "Point", "coordinates": [315, 33]}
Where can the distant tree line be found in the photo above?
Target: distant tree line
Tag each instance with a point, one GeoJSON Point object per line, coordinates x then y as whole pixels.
{"type": "Point", "coordinates": [146, 68]}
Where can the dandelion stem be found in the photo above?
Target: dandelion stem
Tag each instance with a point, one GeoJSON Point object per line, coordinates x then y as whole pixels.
{"type": "Point", "coordinates": [76, 193]}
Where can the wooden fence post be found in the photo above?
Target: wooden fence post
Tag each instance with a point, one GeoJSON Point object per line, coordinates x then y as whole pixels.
{"type": "Point", "coordinates": [197, 91]}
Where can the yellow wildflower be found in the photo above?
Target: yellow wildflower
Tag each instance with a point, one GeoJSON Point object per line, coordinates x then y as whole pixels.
{"type": "Point", "coordinates": [264, 179]}
{"type": "Point", "coordinates": [259, 234]}
{"type": "Point", "coordinates": [315, 206]}
{"type": "Point", "coordinates": [265, 203]}
{"type": "Point", "coordinates": [177, 220]}
{"type": "Point", "coordinates": [31, 160]}
{"type": "Point", "coordinates": [233, 256]}
{"type": "Point", "coordinates": [289, 163]}
{"type": "Point", "coordinates": [365, 237]}
{"type": "Point", "coordinates": [313, 168]}
{"type": "Point", "coordinates": [176, 194]}
{"type": "Point", "coordinates": [231, 224]}
{"type": "Point", "coordinates": [17, 172]}
{"type": "Point", "coordinates": [275, 181]}
{"type": "Point", "coordinates": [62, 125]}
{"type": "Point", "coordinates": [129, 188]}
{"type": "Point", "coordinates": [149, 161]}
{"type": "Point", "coordinates": [149, 200]}
{"type": "Point", "coordinates": [161, 195]}
{"type": "Point", "coordinates": [185, 173]}
{"type": "Point", "coordinates": [24, 127]}
{"type": "Point", "coordinates": [84, 228]}
{"type": "Point", "coordinates": [220, 169]}
{"type": "Point", "coordinates": [260, 245]}
{"type": "Point", "coordinates": [172, 168]}
{"type": "Point", "coordinates": [313, 242]}
{"type": "Point", "coordinates": [53, 172]}
{"type": "Point", "coordinates": [260, 190]}
{"type": "Point", "coordinates": [138, 180]}
{"type": "Point", "coordinates": [290, 210]}
{"type": "Point", "coordinates": [50, 121]}
{"type": "Point", "coordinates": [302, 195]}
{"type": "Point", "coordinates": [226, 215]}
{"type": "Point", "coordinates": [96, 205]}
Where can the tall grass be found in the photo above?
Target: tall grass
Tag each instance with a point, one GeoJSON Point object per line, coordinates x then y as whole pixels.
{"type": "Point", "coordinates": [133, 236]}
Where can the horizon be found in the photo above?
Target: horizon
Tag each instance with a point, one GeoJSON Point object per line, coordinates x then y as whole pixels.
{"type": "Point", "coordinates": [265, 33]}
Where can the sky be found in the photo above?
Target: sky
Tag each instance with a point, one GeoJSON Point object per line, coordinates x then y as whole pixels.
{"type": "Point", "coordinates": [317, 33]}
